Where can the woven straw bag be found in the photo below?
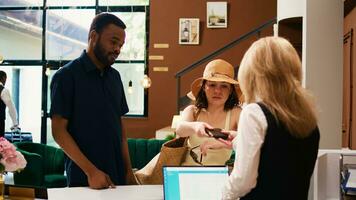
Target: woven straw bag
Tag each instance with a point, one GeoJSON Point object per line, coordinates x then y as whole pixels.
{"type": "Point", "coordinates": [172, 154]}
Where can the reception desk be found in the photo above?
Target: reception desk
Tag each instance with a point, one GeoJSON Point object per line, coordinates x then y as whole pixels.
{"type": "Point", "coordinates": [325, 182]}
{"type": "Point", "coordinates": [324, 185]}
{"type": "Point", "coordinates": [134, 192]}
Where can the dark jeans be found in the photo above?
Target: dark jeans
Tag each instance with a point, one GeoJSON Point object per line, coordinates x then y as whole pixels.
{"type": "Point", "coordinates": [2, 128]}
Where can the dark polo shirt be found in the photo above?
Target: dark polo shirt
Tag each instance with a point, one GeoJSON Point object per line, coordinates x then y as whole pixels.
{"type": "Point", "coordinates": [93, 103]}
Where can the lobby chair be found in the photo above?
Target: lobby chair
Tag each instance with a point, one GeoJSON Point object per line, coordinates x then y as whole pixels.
{"type": "Point", "coordinates": [45, 166]}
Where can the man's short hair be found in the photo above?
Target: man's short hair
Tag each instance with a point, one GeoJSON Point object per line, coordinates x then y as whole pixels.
{"type": "Point", "coordinates": [2, 75]}
{"type": "Point", "coordinates": [102, 20]}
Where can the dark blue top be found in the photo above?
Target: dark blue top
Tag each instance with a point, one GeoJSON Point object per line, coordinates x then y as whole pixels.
{"type": "Point", "coordinates": [93, 103]}
{"type": "Point", "coordinates": [286, 163]}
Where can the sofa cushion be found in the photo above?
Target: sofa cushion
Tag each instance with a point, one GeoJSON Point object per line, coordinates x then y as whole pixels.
{"type": "Point", "coordinates": [55, 180]}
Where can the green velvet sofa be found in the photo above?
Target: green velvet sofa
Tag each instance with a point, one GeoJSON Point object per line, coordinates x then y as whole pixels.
{"type": "Point", "coordinates": [143, 150]}
{"type": "Point", "coordinates": [45, 166]}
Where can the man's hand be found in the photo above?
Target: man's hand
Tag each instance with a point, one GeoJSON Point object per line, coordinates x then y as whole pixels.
{"type": "Point", "coordinates": [15, 128]}
{"type": "Point", "coordinates": [131, 179]}
{"type": "Point", "coordinates": [99, 180]}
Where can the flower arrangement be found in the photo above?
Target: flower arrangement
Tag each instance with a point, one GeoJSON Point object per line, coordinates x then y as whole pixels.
{"type": "Point", "coordinates": [10, 159]}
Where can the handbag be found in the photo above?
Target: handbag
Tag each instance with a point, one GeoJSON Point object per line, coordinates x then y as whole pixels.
{"type": "Point", "coordinates": [172, 153]}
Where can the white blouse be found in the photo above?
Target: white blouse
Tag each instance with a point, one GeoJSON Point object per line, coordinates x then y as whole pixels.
{"type": "Point", "coordinates": [247, 144]}
{"type": "Point", "coordinates": [6, 98]}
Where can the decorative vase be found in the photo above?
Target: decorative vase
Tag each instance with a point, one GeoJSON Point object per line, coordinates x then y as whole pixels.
{"type": "Point", "coordinates": [2, 186]}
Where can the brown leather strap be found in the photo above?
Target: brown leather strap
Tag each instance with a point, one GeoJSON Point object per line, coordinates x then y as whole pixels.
{"type": "Point", "coordinates": [196, 113]}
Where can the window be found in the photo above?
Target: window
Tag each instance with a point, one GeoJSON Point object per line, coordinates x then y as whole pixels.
{"type": "Point", "coordinates": [27, 99]}
{"type": "Point", "coordinates": [132, 73]}
{"type": "Point", "coordinates": [34, 51]}
{"type": "Point", "coordinates": [134, 48]}
{"type": "Point", "coordinates": [67, 32]}
{"type": "Point", "coordinates": [12, 3]}
{"type": "Point", "coordinates": [70, 3]}
{"type": "Point", "coordinates": [123, 2]}
{"type": "Point", "coordinates": [20, 34]}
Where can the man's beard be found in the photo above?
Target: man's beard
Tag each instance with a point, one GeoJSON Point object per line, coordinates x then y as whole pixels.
{"type": "Point", "coordinates": [101, 55]}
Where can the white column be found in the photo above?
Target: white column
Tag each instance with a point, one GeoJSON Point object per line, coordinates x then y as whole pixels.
{"type": "Point", "coordinates": [323, 65]}
{"type": "Point", "coordinates": [322, 60]}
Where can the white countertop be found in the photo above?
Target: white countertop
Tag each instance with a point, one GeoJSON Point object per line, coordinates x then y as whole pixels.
{"type": "Point", "coordinates": [134, 192]}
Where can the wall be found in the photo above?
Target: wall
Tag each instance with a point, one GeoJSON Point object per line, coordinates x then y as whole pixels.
{"type": "Point", "coordinates": [349, 23]}
{"type": "Point", "coordinates": [243, 16]}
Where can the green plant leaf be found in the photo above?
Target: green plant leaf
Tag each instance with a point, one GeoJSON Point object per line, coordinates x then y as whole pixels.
{"type": "Point", "coordinates": [2, 168]}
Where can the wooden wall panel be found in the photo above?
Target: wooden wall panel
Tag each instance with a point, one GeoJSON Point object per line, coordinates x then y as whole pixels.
{"type": "Point", "coordinates": [349, 136]}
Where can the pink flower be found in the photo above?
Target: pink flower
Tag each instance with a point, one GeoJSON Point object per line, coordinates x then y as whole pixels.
{"type": "Point", "coordinates": [10, 159]}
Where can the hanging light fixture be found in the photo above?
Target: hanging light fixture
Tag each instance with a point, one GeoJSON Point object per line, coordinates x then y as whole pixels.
{"type": "Point", "coordinates": [146, 81]}
{"type": "Point", "coordinates": [1, 58]}
{"type": "Point", "coordinates": [48, 71]}
{"type": "Point", "coordinates": [130, 89]}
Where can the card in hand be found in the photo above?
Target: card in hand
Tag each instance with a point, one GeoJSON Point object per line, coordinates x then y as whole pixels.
{"type": "Point", "coordinates": [216, 133]}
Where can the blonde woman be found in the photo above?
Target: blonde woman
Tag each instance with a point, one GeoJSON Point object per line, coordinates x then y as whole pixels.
{"type": "Point", "coordinates": [278, 137]}
{"type": "Point", "coordinates": [216, 106]}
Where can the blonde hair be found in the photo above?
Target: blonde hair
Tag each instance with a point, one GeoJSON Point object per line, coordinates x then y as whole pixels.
{"type": "Point", "coordinates": [271, 72]}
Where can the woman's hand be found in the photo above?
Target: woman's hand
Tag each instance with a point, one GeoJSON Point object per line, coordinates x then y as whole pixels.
{"type": "Point", "coordinates": [231, 134]}
{"type": "Point", "coordinates": [228, 142]}
{"type": "Point", "coordinates": [200, 129]}
{"type": "Point", "coordinates": [210, 144]}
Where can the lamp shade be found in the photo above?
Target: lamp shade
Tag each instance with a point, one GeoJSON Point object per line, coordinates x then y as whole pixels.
{"type": "Point", "coordinates": [130, 89]}
{"type": "Point", "coordinates": [146, 81]}
{"type": "Point", "coordinates": [175, 120]}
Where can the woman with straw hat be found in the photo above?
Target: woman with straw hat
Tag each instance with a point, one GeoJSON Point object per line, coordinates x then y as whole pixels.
{"type": "Point", "coordinates": [216, 106]}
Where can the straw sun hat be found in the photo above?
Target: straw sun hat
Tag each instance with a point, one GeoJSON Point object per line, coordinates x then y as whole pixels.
{"type": "Point", "coordinates": [216, 70]}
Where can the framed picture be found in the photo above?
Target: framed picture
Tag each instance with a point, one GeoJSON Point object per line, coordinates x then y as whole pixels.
{"type": "Point", "coordinates": [188, 31]}
{"type": "Point", "coordinates": [216, 14]}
